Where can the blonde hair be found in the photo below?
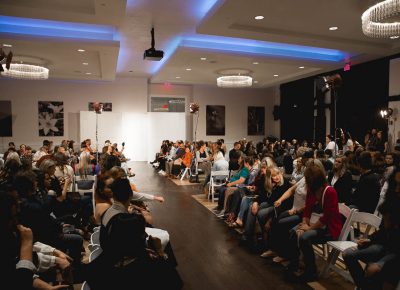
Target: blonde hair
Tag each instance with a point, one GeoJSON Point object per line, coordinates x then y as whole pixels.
{"type": "Point", "coordinates": [268, 178]}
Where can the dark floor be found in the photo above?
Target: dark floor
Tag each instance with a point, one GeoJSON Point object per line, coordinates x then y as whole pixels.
{"type": "Point", "coordinates": [206, 249]}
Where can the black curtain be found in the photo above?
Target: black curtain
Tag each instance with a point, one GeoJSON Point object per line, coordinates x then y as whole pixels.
{"type": "Point", "coordinates": [297, 109]}
{"type": "Point", "coordinates": [363, 93]}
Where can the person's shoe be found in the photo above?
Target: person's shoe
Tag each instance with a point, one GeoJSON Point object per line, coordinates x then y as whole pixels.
{"type": "Point", "coordinates": [268, 254]}
{"type": "Point", "coordinates": [278, 259]}
{"type": "Point", "coordinates": [221, 214]}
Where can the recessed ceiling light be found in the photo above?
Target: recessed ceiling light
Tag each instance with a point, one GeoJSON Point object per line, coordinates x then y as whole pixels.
{"type": "Point", "coordinates": [259, 17]}
{"type": "Point", "coordinates": [88, 73]}
{"type": "Point", "coordinates": [392, 37]}
{"type": "Point", "coordinates": [81, 50]}
{"type": "Point", "coordinates": [203, 58]}
{"type": "Point", "coordinates": [177, 77]}
{"type": "Point", "coordinates": [301, 66]}
{"type": "Point", "coordinates": [256, 82]}
{"type": "Point", "coordinates": [333, 28]}
{"type": "Point", "coordinates": [276, 75]}
{"type": "Point", "coordinates": [85, 63]}
{"type": "Point", "coordinates": [7, 45]}
{"type": "Point", "coordinates": [255, 62]}
{"type": "Point", "coordinates": [188, 69]}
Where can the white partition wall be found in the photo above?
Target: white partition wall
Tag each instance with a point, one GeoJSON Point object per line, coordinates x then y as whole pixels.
{"type": "Point", "coordinates": [162, 126]}
{"type": "Point", "coordinates": [135, 132]}
{"type": "Point", "coordinates": [142, 133]}
{"type": "Point", "coordinates": [108, 125]}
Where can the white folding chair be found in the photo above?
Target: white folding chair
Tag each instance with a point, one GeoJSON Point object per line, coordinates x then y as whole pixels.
{"type": "Point", "coordinates": [216, 175]}
{"type": "Point", "coordinates": [186, 171]}
{"type": "Point", "coordinates": [89, 178]}
{"type": "Point", "coordinates": [95, 238]}
{"type": "Point", "coordinates": [93, 255]}
{"type": "Point", "coordinates": [342, 244]}
{"type": "Point", "coordinates": [344, 234]}
{"type": "Point", "coordinates": [85, 286]}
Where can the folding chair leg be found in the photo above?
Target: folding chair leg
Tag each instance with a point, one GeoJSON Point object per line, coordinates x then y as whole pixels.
{"type": "Point", "coordinates": [332, 257]}
{"type": "Point", "coordinates": [184, 173]}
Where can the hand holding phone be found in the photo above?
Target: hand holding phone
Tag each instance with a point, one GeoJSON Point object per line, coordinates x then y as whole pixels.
{"type": "Point", "coordinates": [123, 144]}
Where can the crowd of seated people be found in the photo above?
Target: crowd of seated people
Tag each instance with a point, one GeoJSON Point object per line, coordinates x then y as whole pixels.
{"type": "Point", "coordinates": [280, 185]}
{"type": "Point", "coordinates": [44, 222]}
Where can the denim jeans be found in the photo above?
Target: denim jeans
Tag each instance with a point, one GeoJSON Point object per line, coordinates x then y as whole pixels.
{"type": "Point", "coordinates": [244, 207]}
{"type": "Point", "coordinates": [304, 244]}
{"type": "Point", "coordinates": [351, 257]}
{"type": "Point", "coordinates": [264, 208]}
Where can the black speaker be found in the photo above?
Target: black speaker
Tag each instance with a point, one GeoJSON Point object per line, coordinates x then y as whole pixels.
{"type": "Point", "coordinates": [277, 113]}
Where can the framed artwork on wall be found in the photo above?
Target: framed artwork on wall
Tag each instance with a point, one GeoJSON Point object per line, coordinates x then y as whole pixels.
{"type": "Point", "coordinates": [107, 107]}
{"type": "Point", "coordinates": [5, 119]}
{"type": "Point", "coordinates": [256, 121]}
{"type": "Point", "coordinates": [51, 118]}
{"type": "Point", "coordinates": [215, 120]}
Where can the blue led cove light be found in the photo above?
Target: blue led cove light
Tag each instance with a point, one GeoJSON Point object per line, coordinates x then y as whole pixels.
{"type": "Point", "coordinates": [59, 29]}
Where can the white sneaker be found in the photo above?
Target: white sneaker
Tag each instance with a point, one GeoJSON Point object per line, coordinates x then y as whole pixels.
{"type": "Point", "coordinates": [268, 254]}
{"type": "Point", "coordinates": [278, 259]}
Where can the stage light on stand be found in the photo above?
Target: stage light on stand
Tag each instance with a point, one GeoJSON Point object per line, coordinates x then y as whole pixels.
{"type": "Point", "coordinates": [386, 113]}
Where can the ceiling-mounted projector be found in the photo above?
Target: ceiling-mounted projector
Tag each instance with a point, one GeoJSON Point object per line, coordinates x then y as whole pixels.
{"type": "Point", "coordinates": [152, 53]}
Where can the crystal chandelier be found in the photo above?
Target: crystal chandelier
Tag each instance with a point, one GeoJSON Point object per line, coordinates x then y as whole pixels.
{"type": "Point", "coordinates": [372, 17]}
{"type": "Point", "coordinates": [234, 81]}
{"type": "Point", "coordinates": [26, 71]}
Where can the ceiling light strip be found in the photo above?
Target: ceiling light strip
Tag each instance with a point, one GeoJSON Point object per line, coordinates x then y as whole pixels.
{"type": "Point", "coordinates": [262, 48]}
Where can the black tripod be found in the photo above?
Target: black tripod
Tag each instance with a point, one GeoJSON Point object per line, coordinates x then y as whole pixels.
{"type": "Point", "coordinates": [195, 177]}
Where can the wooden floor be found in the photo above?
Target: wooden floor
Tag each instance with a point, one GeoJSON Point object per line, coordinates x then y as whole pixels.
{"type": "Point", "coordinates": [206, 249]}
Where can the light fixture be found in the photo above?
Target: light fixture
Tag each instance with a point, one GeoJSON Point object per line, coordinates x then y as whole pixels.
{"type": "Point", "coordinates": [255, 82]}
{"type": "Point", "coordinates": [7, 45]}
{"type": "Point", "coordinates": [81, 50]}
{"type": "Point", "coordinates": [386, 113]}
{"type": "Point", "coordinates": [194, 108]}
{"type": "Point", "coordinates": [25, 71]}
{"type": "Point", "coordinates": [394, 37]}
{"type": "Point", "coordinates": [276, 75]}
{"type": "Point", "coordinates": [88, 73]}
{"type": "Point", "coordinates": [259, 17]}
{"type": "Point", "coordinates": [85, 63]}
{"type": "Point", "coordinates": [255, 62]}
{"type": "Point", "coordinates": [203, 58]}
{"type": "Point", "coordinates": [177, 77]}
{"type": "Point", "coordinates": [333, 28]}
{"type": "Point", "coordinates": [234, 81]}
{"type": "Point", "coordinates": [301, 67]}
{"type": "Point", "coordinates": [372, 17]}
{"type": "Point", "coordinates": [188, 69]}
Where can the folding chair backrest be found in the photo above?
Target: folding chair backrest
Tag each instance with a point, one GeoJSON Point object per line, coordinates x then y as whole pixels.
{"type": "Point", "coordinates": [93, 255]}
{"type": "Point", "coordinates": [344, 210]}
{"type": "Point", "coordinates": [85, 286]}
{"type": "Point", "coordinates": [367, 218]}
{"type": "Point", "coordinates": [381, 197]}
{"type": "Point", "coordinates": [347, 226]}
{"type": "Point", "coordinates": [224, 173]}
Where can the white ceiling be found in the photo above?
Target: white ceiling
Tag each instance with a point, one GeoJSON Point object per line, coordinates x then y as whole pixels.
{"type": "Point", "coordinates": [303, 22]}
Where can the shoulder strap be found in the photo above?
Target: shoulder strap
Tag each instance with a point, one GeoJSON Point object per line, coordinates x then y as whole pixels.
{"type": "Point", "coordinates": [323, 195]}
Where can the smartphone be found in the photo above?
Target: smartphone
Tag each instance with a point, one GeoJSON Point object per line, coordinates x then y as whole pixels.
{"type": "Point", "coordinates": [123, 143]}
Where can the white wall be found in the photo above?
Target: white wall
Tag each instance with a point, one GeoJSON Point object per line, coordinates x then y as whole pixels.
{"type": "Point", "coordinates": [126, 94]}
{"type": "Point", "coordinates": [394, 77]}
{"type": "Point", "coordinates": [236, 102]}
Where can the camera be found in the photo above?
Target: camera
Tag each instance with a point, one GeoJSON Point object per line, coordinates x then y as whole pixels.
{"type": "Point", "coordinates": [123, 143]}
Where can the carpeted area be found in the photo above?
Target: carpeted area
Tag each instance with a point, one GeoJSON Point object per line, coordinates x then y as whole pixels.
{"type": "Point", "coordinates": [202, 199]}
